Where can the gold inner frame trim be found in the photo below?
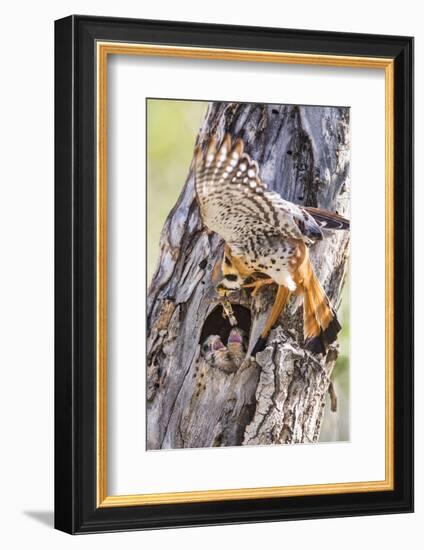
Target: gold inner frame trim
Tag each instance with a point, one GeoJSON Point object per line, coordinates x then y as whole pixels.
{"type": "Point", "coordinates": [104, 49]}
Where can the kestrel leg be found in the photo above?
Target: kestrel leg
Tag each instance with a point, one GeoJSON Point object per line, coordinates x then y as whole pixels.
{"type": "Point", "coordinates": [258, 284]}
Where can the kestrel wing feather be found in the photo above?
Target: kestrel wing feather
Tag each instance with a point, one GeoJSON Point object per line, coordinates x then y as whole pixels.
{"type": "Point", "coordinates": [327, 219]}
{"type": "Point", "coordinates": [234, 201]}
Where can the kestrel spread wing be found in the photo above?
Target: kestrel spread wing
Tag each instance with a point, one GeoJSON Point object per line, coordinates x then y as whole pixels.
{"type": "Point", "coordinates": [257, 224]}
{"type": "Point", "coordinates": [234, 201]}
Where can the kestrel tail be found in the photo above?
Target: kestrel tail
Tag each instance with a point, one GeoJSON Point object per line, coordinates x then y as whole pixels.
{"type": "Point", "coordinates": [265, 236]}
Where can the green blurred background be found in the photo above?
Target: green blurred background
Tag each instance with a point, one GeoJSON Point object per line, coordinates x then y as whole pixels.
{"type": "Point", "coordinates": [172, 127]}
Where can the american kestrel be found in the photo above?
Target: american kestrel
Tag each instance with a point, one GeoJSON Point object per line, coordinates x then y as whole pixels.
{"type": "Point", "coordinates": [266, 238]}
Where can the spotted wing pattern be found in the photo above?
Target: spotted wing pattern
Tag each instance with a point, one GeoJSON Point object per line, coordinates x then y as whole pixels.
{"type": "Point", "coordinates": [236, 204]}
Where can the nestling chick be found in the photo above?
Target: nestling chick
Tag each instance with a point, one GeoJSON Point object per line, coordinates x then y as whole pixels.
{"type": "Point", "coordinates": [217, 355]}
{"type": "Point", "coordinates": [237, 346]}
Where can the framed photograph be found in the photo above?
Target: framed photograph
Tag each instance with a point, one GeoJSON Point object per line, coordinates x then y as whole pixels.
{"type": "Point", "coordinates": [234, 274]}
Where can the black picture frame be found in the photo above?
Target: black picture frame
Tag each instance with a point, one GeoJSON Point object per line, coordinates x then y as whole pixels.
{"type": "Point", "coordinates": [76, 509]}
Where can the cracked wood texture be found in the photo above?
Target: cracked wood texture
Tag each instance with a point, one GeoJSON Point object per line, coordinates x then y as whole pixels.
{"type": "Point", "coordinates": [303, 154]}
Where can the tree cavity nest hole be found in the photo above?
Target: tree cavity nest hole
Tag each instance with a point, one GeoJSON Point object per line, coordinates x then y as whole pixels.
{"type": "Point", "coordinates": [217, 324]}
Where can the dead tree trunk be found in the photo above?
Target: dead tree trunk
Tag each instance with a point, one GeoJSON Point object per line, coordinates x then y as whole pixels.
{"type": "Point", "coordinates": [303, 154]}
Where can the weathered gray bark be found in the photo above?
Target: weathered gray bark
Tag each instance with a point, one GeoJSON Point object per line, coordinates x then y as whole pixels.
{"type": "Point", "coordinates": [303, 153]}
